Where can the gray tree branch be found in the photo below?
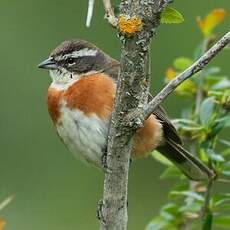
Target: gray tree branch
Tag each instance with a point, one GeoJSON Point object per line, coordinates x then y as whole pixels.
{"type": "Point", "coordinates": [196, 67]}
{"type": "Point", "coordinates": [131, 98]}
{"type": "Point", "coordinates": [132, 93]}
{"type": "Point", "coordinates": [109, 13]}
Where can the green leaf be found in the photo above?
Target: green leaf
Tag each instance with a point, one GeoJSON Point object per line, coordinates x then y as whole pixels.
{"type": "Point", "coordinates": [170, 15]}
{"type": "Point", "coordinates": [184, 121]}
{"type": "Point", "coordinates": [219, 125]}
{"type": "Point", "coordinates": [192, 207]}
{"type": "Point", "coordinates": [223, 84]}
{"type": "Point", "coordinates": [159, 157]}
{"type": "Point", "coordinates": [217, 128]}
{"type": "Point", "coordinates": [225, 142]}
{"type": "Point", "coordinates": [222, 201]}
{"type": "Point", "coordinates": [217, 94]}
{"type": "Point", "coordinates": [206, 110]}
{"type": "Point", "coordinates": [216, 82]}
{"type": "Point", "coordinates": [211, 71]}
{"type": "Point", "coordinates": [187, 89]}
{"type": "Point", "coordinates": [208, 222]}
{"type": "Point", "coordinates": [171, 208]}
{"type": "Point", "coordinates": [192, 129]}
{"type": "Point", "coordinates": [203, 155]}
{"type": "Point", "coordinates": [225, 120]}
{"type": "Point", "coordinates": [191, 194]}
{"type": "Point", "coordinates": [183, 186]}
{"type": "Point", "coordinates": [182, 63]}
{"type": "Point", "coordinates": [226, 173]}
{"type": "Point", "coordinates": [219, 197]}
{"type": "Point", "coordinates": [167, 216]}
{"type": "Point", "coordinates": [187, 125]}
{"type": "Point", "coordinates": [214, 79]}
{"type": "Point", "coordinates": [214, 156]}
{"type": "Point", "coordinates": [227, 164]}
{"type": "Point", "coordinates": [222, 221]}
{"type": "Point", "coordinates": [157, 224]}
{"type": "Point", "coordinates": [223, 208]}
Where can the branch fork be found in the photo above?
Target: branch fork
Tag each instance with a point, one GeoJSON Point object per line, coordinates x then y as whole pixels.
{"type": "Point", "coordinates": [109, 13]}
{"type": "Point", "coordinates": [130, 95]}
{"type": "Point", "coordinates": [137, 117]}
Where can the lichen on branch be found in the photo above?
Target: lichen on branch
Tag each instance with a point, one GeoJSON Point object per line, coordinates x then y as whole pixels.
{"type": "Point", "coordinates": [129, 26]}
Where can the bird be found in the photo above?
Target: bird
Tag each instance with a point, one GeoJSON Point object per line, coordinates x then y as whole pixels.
{"type": "Point", "coordinates": [80, 102]}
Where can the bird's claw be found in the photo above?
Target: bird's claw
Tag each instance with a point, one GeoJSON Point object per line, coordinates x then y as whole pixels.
{"type": "Point", "coordinates": [104, 162]}
{"type": "Point", "coordinates": [100, 216]}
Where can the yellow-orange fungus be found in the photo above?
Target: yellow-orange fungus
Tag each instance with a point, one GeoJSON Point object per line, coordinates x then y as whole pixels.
{"type": "Point", "coordinates": [130, 26]}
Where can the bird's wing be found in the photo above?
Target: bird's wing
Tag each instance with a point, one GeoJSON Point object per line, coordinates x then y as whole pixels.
{"type": "Point", "coordinates": [170, 131]}
{"type": "Point", "coordinates": [191, 166]}
{"type": "Point", "coordinates": [171, 147]}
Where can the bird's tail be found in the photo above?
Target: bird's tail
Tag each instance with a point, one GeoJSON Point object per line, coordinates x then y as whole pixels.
{"type": "Point", "coordinates": [192, 167]}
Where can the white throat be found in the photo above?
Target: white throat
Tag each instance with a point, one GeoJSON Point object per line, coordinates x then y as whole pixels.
{"type": "Point", "coordinates": [63, 79]}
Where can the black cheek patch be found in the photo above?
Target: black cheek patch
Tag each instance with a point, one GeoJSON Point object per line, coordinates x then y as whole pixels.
{"type": "Point", "coordinates": [84, 64]}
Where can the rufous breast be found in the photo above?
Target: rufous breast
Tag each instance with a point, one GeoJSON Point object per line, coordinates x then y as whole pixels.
{"type": "Point", "coordinates": [90, 99]}
{"type": "Point", "coordinates": [91, 94]}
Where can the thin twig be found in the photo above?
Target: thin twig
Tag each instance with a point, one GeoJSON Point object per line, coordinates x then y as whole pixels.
{"type": "Point", "coordinates": [196, 67]}
{"type": "Point", "coordinates": [109, 13]}
{"type": "Point", "coordinates": [207, 197]}
{"type": "Point", "coordinates": [90, 12]}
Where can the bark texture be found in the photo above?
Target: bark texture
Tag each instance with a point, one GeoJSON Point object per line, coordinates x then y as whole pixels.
{"type": "Point", "coordinates": [131, 108]}
{"type": "Point", "coordinates": [131, 97]}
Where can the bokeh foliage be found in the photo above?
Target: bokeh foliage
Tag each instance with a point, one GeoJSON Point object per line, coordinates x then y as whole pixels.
{"type": "Point", "coordinates": [200, 125]}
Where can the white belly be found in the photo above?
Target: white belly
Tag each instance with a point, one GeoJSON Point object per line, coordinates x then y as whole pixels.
{"type": "Point", "coordinates": [84, 136]}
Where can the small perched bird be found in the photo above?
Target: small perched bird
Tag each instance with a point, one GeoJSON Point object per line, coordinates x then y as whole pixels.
{"type": "Point", "coordinates": [80, 101]}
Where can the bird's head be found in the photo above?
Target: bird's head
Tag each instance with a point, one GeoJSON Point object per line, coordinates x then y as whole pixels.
{"type": "Point", "coordinates": [73, 59]}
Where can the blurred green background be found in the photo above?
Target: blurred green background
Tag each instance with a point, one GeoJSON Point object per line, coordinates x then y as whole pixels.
{"type": "Point", "coordinates": [53, 190]}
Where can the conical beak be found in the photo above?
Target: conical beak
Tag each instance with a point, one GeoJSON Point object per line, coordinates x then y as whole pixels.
{"type": "Point", "coordinates": [48, 64]}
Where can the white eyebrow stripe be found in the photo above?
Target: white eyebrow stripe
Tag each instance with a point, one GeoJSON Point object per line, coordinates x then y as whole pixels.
{"type": "Point", "coordinates": [81, 53]}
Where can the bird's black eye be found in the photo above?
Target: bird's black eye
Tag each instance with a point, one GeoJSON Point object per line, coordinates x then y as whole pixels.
{"type": "Point", "coordinates": [70, 61]}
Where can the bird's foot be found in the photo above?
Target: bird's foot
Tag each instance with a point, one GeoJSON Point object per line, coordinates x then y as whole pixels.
{"type": "Point", "coordinates": [100, 216]}
{"type": "Point", "coordinates": [104, 162]}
